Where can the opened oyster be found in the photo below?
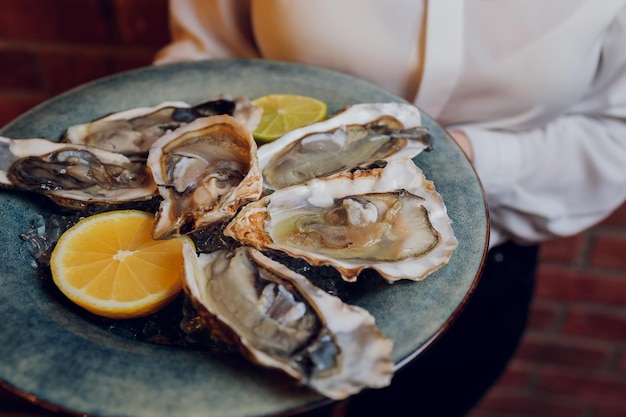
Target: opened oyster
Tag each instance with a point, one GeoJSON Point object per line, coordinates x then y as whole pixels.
{"type": "Point", "coordinates": [388, 219]}
{"type": "Point", "coordinates": [73, 175]}
{"type": "Point", "coordinates": [357, 136]}
{"type": "Point", "coordinates": [280, 320]}
{"type": "Point", "coordinates": [133, 131]}
{"type": "Point", "coordinates": [205, 171]}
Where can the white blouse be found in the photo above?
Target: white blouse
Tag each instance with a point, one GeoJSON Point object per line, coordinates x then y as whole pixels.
{"type": "Point", "coordinates": [538, 86]}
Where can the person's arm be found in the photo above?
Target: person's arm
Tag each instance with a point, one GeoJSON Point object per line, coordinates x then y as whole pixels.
{"type": "Point", "coordinates": [555, 181]}
{"type": "Point", "coordinates": [563, 178]}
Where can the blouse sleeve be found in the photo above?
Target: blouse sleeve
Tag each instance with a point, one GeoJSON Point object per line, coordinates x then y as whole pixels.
{"type": "Point", "coordinates": [203, 29]}
{"type": "Point", "coordinates": [568, 175]}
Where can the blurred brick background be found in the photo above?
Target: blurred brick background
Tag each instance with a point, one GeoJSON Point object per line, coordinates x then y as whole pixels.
{"type": "Point", "coordinates": [49, 46]}
{"type": "Point", "coordinates": [572, 361]}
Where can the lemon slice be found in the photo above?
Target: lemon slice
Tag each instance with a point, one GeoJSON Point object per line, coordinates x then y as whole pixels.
{"type": "Point", "coordinates": [110, 265]}
{"type": "Point", "coordinates": [285, 112]}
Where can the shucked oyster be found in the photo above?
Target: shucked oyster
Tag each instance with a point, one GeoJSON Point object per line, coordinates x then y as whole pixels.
{"type": "Point", "coordinates": [204, 171]}
{"type": "Point", "coordinates": [389, 219]}
{"type": "Point", "coordinates": [73, 175]}
{"type": "Point", "coordinates": [359, 135]}
{"type": "Point", "coordinates": [133, 131]}
{"type": "Point", "coordinates": [280, 320]}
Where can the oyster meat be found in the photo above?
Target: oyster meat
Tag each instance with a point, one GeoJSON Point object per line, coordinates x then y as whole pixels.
{"type": "Point", "coordinates": [73, 175]}
{"type": "Point", "coordinates": [205, 171]}
{"type": "Point", "coordinates": [388, 219]}
{"type": "Point", "coordinates": [133, 131]}
{"type": "Point", "coordinates": [280, 320]}
{"type": "Point", "coordinates": [357, 136]}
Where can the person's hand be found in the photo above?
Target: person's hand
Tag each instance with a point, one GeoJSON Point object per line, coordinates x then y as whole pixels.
{"type": "Point", "coordinates": [463, 141]}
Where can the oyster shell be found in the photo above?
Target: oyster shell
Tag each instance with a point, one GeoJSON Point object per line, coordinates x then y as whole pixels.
{"type": "Point", "coordinates": [133, 131]}
{"type": "Point", "coordinates": [204, 171]}
{"type": "Point", "coordinates": [73, 175]}
{"type": "Point", "coordinates": [357, 136]}
{"type": "Point", "coordinates": [388, 219]}
{"type": "Point", "coordinates": [280, 320]}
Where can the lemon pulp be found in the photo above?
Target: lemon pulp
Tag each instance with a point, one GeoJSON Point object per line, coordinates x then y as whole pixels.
{"type": "Point", "coordinates": [109, 264]}
{"type": "Point", "coordinates": [283, 113]}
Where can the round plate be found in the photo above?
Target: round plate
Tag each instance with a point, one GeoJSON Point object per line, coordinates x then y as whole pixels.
{"type": "Point", "coordinates": [55, 357]}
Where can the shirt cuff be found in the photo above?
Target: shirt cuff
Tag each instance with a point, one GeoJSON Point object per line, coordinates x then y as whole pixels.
{"type": "Point", "coordinates": [497, 159]}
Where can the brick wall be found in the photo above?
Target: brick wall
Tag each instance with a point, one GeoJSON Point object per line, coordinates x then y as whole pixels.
{"type": "Point", "coordinates": [49, 46]}
{"type": "Point", "coordinates": [572, 361]}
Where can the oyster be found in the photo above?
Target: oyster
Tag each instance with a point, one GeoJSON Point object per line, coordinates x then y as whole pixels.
{"type": "Point", "coordinates": [73, 175]}
{"type": "Point", "coordinates": [204, 171]}
{"type": "Point", "coordinates": [133, 131]}
{"type": "Point", "coordinates": [359, 135]}
{"type": "Point", "coordinates": [280, 320]}
{"type": "Point", "coordinates": [388, 219]}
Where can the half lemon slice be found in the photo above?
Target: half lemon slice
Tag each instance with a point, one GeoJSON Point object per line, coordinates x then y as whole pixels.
{"type": "Point", "coordinates": [283, 113]}
{"type": "Point", "coordinates": [110, 265]}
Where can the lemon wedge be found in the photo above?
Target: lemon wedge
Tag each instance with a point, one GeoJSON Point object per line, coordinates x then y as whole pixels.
{"type": "Point", "coordinates": [109, 264]}
{"type": "Point", "coordinates": [283, 113]}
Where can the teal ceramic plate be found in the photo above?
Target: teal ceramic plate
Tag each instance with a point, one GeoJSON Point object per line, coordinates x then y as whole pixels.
{"type": "Point", "coordinates": [60, 359]}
